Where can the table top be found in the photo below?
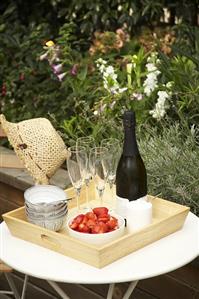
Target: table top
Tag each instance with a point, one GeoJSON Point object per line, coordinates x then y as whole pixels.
{"type": "Point", "coordinates": [160, 257]}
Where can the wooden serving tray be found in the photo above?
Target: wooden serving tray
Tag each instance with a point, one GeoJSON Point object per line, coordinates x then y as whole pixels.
{"type": "Point", "coordinates": [168, 217]}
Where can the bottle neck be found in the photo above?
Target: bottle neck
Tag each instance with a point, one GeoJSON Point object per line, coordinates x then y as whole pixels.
{"type": "Point", "coordinates": [130, 147]}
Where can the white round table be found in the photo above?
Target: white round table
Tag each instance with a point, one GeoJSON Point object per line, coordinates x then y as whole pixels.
{"type": "Point", "coordinates": [160, 257]}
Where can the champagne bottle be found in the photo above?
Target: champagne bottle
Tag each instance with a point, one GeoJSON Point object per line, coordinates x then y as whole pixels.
{"type": "Point", "coordinates": [131, 177]}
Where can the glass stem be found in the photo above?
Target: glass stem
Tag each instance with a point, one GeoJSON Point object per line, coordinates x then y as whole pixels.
{"type": "Point", "coordinates": [111, 187]}
{"type": "Point", "coordinates": [112, 193]}
{"type": "Point", "coordinates": [78, 198]}
{"type": "Point", "coordinates": [87, 197]}
{"type": "Point", "coordinates": [101, 192]}
{"type": "Point", "coordinates": [111, 182]}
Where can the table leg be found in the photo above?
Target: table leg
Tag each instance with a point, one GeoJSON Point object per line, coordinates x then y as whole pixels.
{"type": "Point", "coordinates": [59, 291]}
{"type": "Point", "coordinates": [24, 287]}
{"type": "Point", "coordinates": [12, 285]}
{"type": "Point", "coordinates": [130, 289]}
{"type": "Point", "coordinates": [110, 291]}
{"type": "Point", "coordinates": [128, 292]}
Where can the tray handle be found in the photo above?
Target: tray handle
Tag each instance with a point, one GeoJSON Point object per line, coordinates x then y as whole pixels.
{"type": "Point", "coordinates": [50, 241]}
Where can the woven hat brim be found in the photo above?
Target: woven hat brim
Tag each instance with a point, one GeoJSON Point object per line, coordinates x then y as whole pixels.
{"type": "Point", "coordinates": [22, 146]}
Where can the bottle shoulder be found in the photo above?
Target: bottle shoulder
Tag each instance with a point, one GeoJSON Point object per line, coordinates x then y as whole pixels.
{"type": "Point", "coordinates": [133, 165]}
{"type": "Point", "coordinates": [129, 157]}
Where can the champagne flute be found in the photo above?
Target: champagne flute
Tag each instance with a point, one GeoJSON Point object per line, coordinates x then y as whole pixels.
{"type": "Point", "coordinates": [75, 160]}
{"type": "Point", "coordinates": [97, 158]}
{"type": "Point", "coordinates": [114, 153]}
{"type": "Point", "coordinates": [87, 143]}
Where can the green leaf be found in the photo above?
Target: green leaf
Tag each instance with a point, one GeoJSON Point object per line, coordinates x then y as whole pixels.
{"type": "Point", "coordinates": [10, 9]}
{"type": "Point", "coordinates": [83, 73]}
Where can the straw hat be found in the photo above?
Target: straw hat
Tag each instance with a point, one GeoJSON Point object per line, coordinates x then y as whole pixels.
{"type": "Point", "coordinates": [38, 146]}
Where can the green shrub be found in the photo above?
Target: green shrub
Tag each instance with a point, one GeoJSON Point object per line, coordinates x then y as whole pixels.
{"type": "Point", "coordinates": [184, 74]}
{"type": "Point", "coordinates": [171, 160]}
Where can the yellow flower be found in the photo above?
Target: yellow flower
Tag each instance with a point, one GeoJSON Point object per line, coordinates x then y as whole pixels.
{"type": "Point", "coordinates": [50, 43]}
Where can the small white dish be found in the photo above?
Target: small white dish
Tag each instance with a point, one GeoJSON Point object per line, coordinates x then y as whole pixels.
{"type": "Point", "coordinates": [49, 216]}
{"type": "Point", "coordinates": [54, 225]}
{"type": "Point", "coordinates": [98, 239]}
{"type": "Point", "coordinates": [44, 194]}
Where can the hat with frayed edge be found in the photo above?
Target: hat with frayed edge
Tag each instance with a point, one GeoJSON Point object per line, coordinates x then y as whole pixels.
{"type": "Point", "coordinates": [38, 145]}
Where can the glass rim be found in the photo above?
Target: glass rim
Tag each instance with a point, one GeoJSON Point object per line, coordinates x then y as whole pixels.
{"type": "Point", "coordinates": [84, 138]}
{"type": "Point", "coordinates": [75, 149]}
{"type": "Point", "coordinates": [99, 149]}
{"type": "Point", "coordinates": [110, 140]}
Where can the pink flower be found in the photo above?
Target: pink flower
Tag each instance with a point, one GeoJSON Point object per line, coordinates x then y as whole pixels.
{"type": "Point", "coordinates": [74, 70]}
{"type": "Point", "coordinates": [3, 90]}
{"type": "Point", "coordinates": [61, 76]}
{"type": "Point", "coordinates": [57, 68]}
{"type": "Point", "coordinates": [137, 96]}
{"type": "Point", "coordinates": [21, 77]}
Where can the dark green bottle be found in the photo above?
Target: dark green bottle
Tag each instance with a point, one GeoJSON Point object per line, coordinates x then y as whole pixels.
{"type": "Point", "coordinates": [131, 177]}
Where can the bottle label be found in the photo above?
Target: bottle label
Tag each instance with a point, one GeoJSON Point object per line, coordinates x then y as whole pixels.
{"type": "Point", "coordinates": [144, 198]}
{"type": "Point", "coordinates": [122, 204]}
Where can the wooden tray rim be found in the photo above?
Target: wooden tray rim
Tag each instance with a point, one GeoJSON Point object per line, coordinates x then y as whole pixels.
{"type": "Point", "coordinates": [182, 209]}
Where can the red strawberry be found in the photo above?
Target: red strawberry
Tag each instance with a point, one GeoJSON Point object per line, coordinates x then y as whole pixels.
{"type": "Point", "coordinates": [84, 220]}
{"type": "Point", "coordinates": [103, 227]}
{"type": "Point", "coordinates": [95, 229]}
{"type": "Point", "coordinates": [91, 223]}
{"type": "Point", "coordinates": [73, 225]}
{"type": "Point", "coordinates": [112, 223]}
{"type": "Point", "coordinates": [83, 228]}
{"type": "Point", "coordinates": [78, 219]}
{"type": "Point", "coordinates": [100, 211]}
{"type": "Point", "coordinates": [91, 215]}
{"type": "Point", "coordinates": [103, 217]}
{"type": "Point", "coordinates": [99, 228]}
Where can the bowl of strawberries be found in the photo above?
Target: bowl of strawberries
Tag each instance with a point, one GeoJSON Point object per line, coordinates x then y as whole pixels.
{"type": "Point", "coordinates": [98, 226]}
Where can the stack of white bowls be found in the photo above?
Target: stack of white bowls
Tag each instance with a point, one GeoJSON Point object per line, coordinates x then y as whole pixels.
{"type": "Point", "coordinates": [46, 206]}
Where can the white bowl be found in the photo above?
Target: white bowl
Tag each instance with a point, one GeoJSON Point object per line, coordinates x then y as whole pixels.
{"type": "Point", "coordinates": [46, 208]}
{"type": "Point", "coordinates": [51, 224]}
{"type": "Point", "coordinates": [48, 216]}
{"type": "Point", "coordinates": [98, 239]}
{"type": "Point", "coordinates": [45, 195]}
{"type": "Point", "coordinates": [39, 210]}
